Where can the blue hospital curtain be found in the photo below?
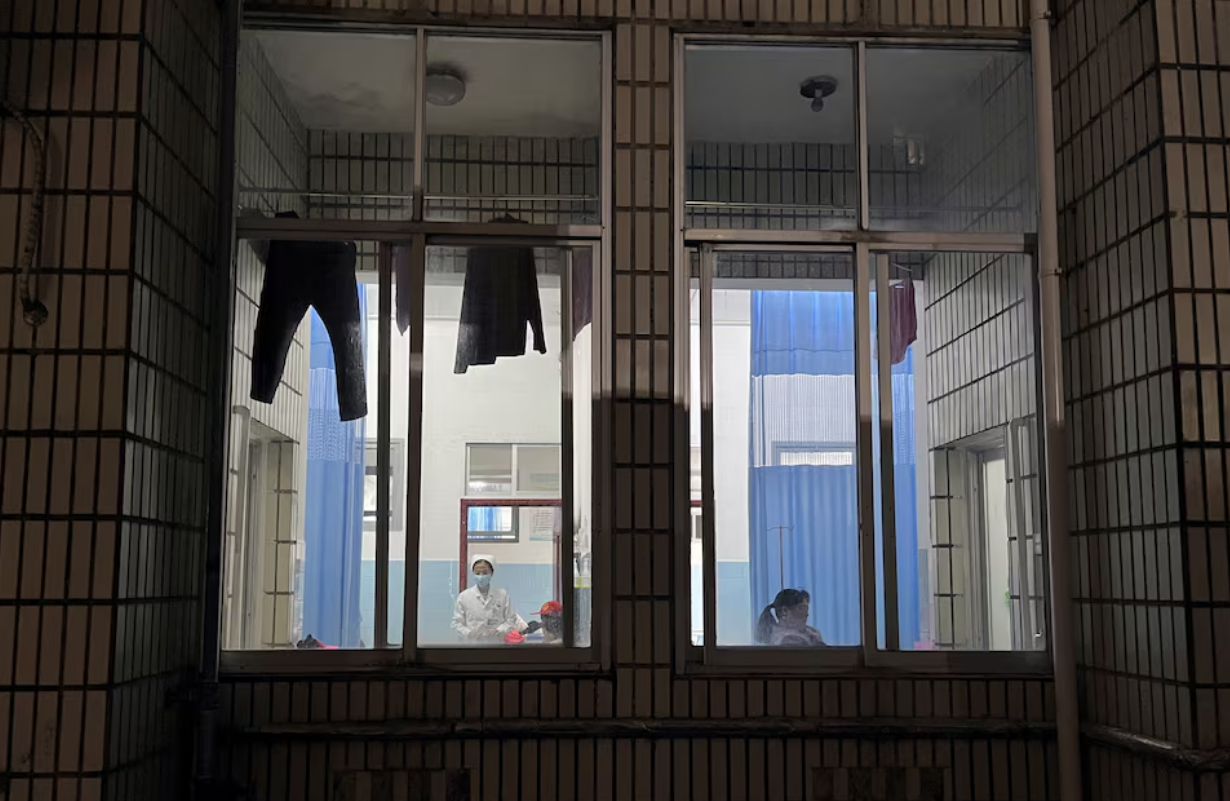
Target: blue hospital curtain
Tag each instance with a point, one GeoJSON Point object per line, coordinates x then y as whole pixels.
{"type": "Point", "coordinates": [333, 504]}
{"type": "Point", "coordinates": [802, 475]}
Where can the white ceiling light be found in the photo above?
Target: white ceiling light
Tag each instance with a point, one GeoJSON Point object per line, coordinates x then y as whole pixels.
{"type": "Point", "coordinates": [445, 87]}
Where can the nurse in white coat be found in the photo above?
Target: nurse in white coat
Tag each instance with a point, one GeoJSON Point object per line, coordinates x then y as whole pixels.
{"type": "Point", "coordinates": [483, 613]}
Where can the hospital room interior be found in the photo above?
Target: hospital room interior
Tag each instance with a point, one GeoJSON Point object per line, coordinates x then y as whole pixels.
{"type": "Point", "coordinates": [301, 536]}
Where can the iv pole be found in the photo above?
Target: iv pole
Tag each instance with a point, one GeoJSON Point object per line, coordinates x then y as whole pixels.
{"type": "Point", "coordinates": [781, 552]}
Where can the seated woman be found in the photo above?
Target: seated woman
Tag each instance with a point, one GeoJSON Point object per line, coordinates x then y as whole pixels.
{"type": "Point", "coordinates": [783, 623]}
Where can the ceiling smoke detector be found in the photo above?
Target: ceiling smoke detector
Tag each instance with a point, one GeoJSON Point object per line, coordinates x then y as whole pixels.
{"type": "Point", "coordinates": [445, 86]}
{"type": "Point", "coordinates": [817, 88]}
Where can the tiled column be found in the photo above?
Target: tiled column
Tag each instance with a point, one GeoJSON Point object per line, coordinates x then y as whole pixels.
{"type": "Point", "coordinates": [1146, 246]}
{"type": "Point", "coordinates": [103, 407]}
{"type": "Point", "coordinates": [644, 417]}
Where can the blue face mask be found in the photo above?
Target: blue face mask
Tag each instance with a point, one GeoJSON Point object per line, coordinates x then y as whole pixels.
{"type": "Point", "coordinates": [483, 581]}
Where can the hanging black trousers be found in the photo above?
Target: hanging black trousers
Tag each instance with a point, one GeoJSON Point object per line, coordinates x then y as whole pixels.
{"type": "Point", "coordinates": [320, 275]}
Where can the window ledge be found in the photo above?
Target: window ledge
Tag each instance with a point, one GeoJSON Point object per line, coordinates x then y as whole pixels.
{"type": "Point", "coordinates": [760, 661]}
{"type": "Point", "coordinates": [653, 728]}
{"type": "Point", "coordinates": [390, 662]}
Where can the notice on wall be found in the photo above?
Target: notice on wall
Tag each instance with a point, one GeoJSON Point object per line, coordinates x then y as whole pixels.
{"type": "Point", "coordinates": [542, 524]}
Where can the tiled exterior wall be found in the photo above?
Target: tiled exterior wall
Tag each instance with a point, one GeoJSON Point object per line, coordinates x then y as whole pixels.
{"type": "Point", "coordinates": [101, 509]}
{"type": "Point", "coordinates": [103, 442]}
{"type": "Point", "coordinates": [1193, 57]}
{"type": "Point", "coordinates": [1143, 237]}
{"type": "Point", "coordinates": [1121, 385]}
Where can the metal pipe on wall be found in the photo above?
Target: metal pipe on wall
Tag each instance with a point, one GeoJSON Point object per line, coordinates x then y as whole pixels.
{"type": "Point", "coordinates": [1063, 640]}
{"type": "Point", "coordinates": [222, 298]}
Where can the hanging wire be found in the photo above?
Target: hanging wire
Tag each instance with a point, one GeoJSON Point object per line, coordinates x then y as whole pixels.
{"type": "Point", "coordinates": [32, 309]}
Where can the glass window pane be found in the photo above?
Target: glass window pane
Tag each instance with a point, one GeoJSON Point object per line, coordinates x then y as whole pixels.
{"type": "Point", "coordinates": [966, 471]}
{"type": "Point", "coordinates": [771, 137]}
{"type": "Point", "coordinates": [490, 470]}
{"type": "Point", "coordinates": [513, 129]}
{"type": "Point", "coordinates": [491, 524]}
{"type": "Point", "coordinates": [785, 476]}
{"type": "Point", "coordinates": [370, 493]}
{"type": "Point", "coordinates": [951, 138]}
{"type": "Point", "coordinates": [538, 469]}
{"type": "Point", "coordinates": [326, 124]}
{"type": "Point", "coordinates": [493, 369]}
{"type": "Point", "coordinates": [300, 545]}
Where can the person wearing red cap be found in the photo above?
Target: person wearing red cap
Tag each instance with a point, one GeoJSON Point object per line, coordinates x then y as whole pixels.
{"type": "Point", "coordinates": [552, 625]}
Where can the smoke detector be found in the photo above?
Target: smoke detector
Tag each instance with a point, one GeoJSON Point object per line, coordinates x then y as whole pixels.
{"type": "Point", "coordinates": [817, 88]}
{"type": "Point", "coordinates": [445, 86]}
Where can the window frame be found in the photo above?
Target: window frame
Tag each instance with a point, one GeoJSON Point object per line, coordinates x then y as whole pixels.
{"type": "Point", "coordinates": [869, 249]}
{"type": "Point", "coordinates": [397, 485]}
{"type": "Point", "coordinates": [419, 234]}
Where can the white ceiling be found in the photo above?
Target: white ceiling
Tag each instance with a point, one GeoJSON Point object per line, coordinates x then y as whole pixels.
{"type": "Point", "coordinates": [751, 94]}
{"type": "Point", "coordinates": [534, 87]}
{"type": "Point", "coordinates": [514, 87]}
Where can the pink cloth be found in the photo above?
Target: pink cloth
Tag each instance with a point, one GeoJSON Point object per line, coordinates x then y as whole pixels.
{"type": "Point", "coordinates": [902, 319]}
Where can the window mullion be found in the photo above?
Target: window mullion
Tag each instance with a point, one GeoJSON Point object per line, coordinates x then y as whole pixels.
{"type": "Point", "coordinates": [866, 480]}
{"type": "Point", "coordinates": [383, 380]}
{"type": "Point", "coordinates": [420, 124]}
{"type": "Point", "coordinates": [888, 509]}
{"type": "Point", "coordinates": [567, 523]}
{"type": "Point", "coordinates": [708, 517]}
{"type": "Point", "coordinates": [864, 154]}
{"type": "Point", "coordinates": [414, 447]}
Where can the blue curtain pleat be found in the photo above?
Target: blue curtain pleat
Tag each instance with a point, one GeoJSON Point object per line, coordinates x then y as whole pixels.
{"type": "Point", "coordinates": [819, 554]}
{"type": "Point", "coordinates": [802, 333]}
{"type": "Point", "coordinates": [333, 503]}
{"type": "Point", "coordinates": [483, 518]}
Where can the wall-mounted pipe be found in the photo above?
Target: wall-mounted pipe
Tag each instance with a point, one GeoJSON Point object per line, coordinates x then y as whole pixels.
{"type": "Point", "coordinates": [1063, 640]}
{"type": "Point", "coordinates": [32, 309]}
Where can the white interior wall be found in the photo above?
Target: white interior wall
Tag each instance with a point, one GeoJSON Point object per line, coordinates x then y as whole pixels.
{"type": "Point", "coordinates": [514, 400]}
{"type": "Point", "coordinates": [732, 353]}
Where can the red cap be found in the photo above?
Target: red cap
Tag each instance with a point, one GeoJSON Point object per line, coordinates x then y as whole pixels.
{"type": "Point", "coordinates": [513, 637]}
{"type": "Point", "coordinates": [551, 608]}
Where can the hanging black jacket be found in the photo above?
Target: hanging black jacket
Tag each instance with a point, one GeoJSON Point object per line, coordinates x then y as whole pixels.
{"type": "Point", "coordinates": [499, 299]}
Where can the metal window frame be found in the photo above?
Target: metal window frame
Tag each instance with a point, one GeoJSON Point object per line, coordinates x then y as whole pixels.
{"type": "Point", "coordinates": [419, 234]}
{"type": "Point", "coordinates": [870, 249]}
